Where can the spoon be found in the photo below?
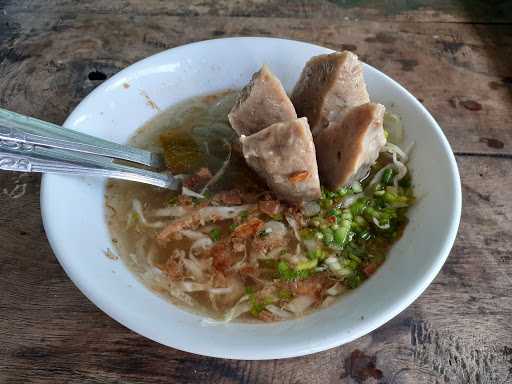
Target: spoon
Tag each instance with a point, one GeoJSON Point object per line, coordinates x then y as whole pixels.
{"type": "Point", "coordinates": [33, 145]}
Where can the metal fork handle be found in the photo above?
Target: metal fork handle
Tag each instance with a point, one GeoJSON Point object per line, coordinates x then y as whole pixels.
{"type": "Point", "coordinates": [28, 130]}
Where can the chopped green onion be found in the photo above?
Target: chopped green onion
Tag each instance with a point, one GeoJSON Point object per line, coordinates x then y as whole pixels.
{"type": "Point", "coordinates": [284, 294]}
{"type": "Point", "coordinates": [333, 212]}
{"type": "Point", "coordinates": [350, 264]}
{"type": "Point", "coordinates": [249, 290]}
{"type": "Point", "coordinates": [405, 182]}
{"type": "Point", "coordinates": [387, 176]}
{"type": "Point", "coordinates": [372, 212]}
{"type": "Point", "coordinates": [256, 308]}
{"type": "Point", "coordinates": [392, 198]}
{"type": "Point", "coordinates": [357, 187]}
{"type": "Point", "coordinates": [306, 234]}
{"type": "Point", "coordinates": [307, 265]}
{"type": "Point", "coordinates": [215, 234]}
{"type": "Point", "coordinates": [328, 236]}
{"type": "Point", "coordinates": [133, 219]}
{"type": "Point", "coordinates": [341, 234]}
{"type": "Point", "coordinates": [277, 217]}
{"type": "Point", "coordinates": [359, 206]}
{"type": "Point", "coordinates": [319, 235]}
{"type": "Point", "coordinates": [382, 223]}
{"type": "Point", "coordinates": [335, 267]}
{"type": "Point", "coordinates": [342, 191]}
{"type": "Point", "coordinates": [173, 200]}
{"type": "Point", "coordinates": [354, 280]}
{"type": "Point", "coordinates": [316, 254]}
{"type": "Point", "coordinates": [366, 235]}
{"type": "Point", "coordinates": [355, 227]}
{"type": "Point", "coordinates": [361, 221]}
{"type": "Point", "coordinates": [243, 215]}
{"type": "Point", "coordinates": [283, 267]}
{"type": "Point", "coordinates": [355, 258]}
{"type": "Point", "coordinates": [289, 274]}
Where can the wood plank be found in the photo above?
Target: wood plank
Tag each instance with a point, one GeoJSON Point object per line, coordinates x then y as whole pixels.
{"type": "Point", "coordinates": [458, 330]}
{"type": "Point", "coordinates": [498, 11]}
{"type": "Point", "coordinates": [460, 72]}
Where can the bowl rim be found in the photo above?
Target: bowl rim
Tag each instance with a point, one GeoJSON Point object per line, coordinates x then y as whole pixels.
{"type": "Point", "coordinates": [333, 339]}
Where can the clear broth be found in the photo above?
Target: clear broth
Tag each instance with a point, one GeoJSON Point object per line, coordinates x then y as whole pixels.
{"type": "Point", "coordinates": [201, 124]}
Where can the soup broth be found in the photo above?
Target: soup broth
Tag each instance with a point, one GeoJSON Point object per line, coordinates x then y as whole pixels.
{"type": "Point", "coordinates": [227, 247]}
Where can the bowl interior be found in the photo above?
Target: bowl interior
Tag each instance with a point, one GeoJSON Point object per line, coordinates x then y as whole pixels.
{"type": "Point", "coordinates": [74, 216]}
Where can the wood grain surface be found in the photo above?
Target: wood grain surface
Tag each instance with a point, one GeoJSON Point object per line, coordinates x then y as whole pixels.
{"type": "Point", "coordinates": [453, 55]}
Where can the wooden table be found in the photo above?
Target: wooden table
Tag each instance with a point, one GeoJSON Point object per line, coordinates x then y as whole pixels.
{"type": "Point", "coordinates": [455, 56]}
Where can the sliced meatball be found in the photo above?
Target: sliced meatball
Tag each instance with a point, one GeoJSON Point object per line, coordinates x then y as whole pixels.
{"type": "Point", "coordinates": [261, 103]}
{"type": "Point", "coordinates": [348, 148]}
{"type": "Point", "coordinates": [328, 87]}
{"type": "Point", "coordinates": [284, 155]}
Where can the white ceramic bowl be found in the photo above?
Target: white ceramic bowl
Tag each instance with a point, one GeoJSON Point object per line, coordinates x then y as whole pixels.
{"type": "Point", "coordinates": [74, 215]}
